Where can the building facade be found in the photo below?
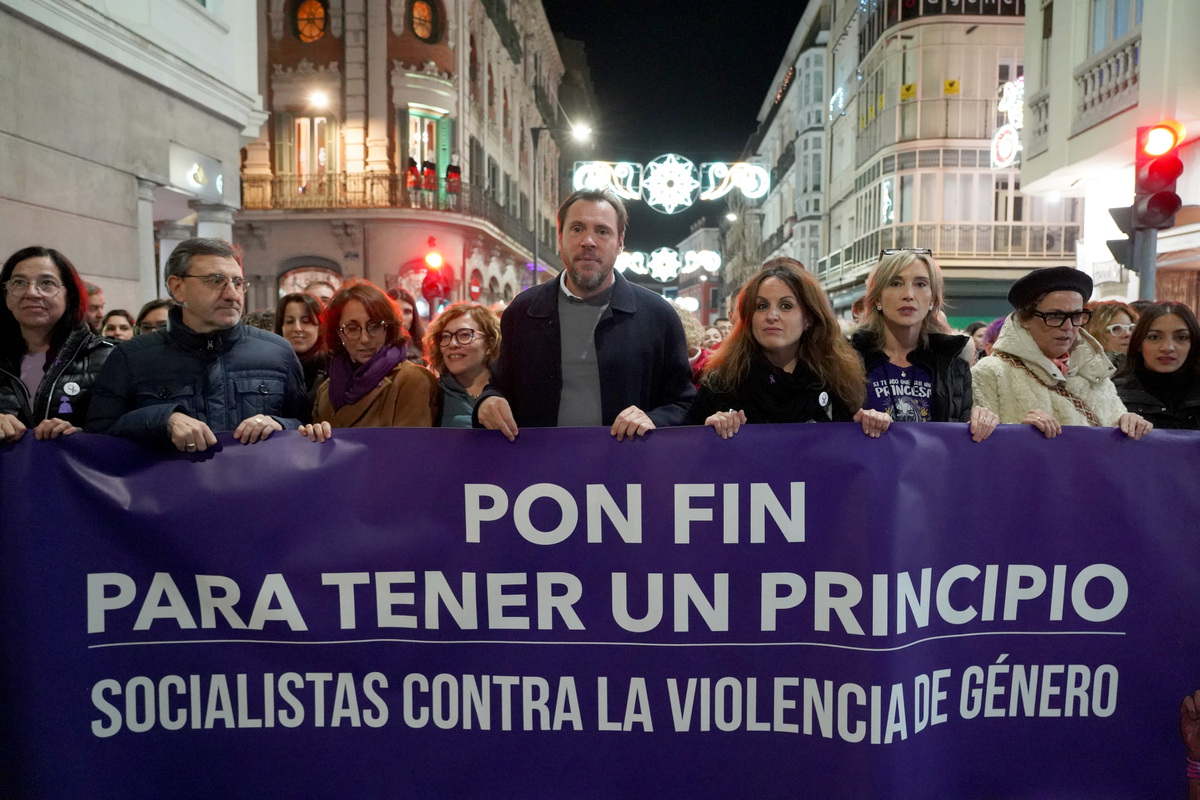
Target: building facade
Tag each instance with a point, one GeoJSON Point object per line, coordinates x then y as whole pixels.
{"type": "Point", "coordinates": [792, 145]}
{"type": "Point", "coordinates": [917, 93]}
{"type": "Point", "coordinates": [401, 128]}
{"type": "Point", "coordinates": [120, 120]}
{"type": "Point", "coordinates": [1097, 71]}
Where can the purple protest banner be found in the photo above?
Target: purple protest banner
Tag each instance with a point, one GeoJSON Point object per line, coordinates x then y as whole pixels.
{"type": "Point", "coordinates": [801, 611]}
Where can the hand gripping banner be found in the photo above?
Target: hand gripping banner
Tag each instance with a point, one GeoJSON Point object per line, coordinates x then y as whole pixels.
{"type": "Point", "coordinates": [800, 611]}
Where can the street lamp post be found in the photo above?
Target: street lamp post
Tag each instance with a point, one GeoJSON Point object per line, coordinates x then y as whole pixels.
{"type": "Point", "coordinates": [581, 133]}
{"type": "Point", "coordinates": [536, 134]}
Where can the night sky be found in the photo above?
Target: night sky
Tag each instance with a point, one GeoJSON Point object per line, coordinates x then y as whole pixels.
{"type": "Point", "coordinates": [676, 77]}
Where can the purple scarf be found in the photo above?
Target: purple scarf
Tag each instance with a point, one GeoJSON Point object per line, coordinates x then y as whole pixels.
{"type": "Point", "coordinates": [348, 384]}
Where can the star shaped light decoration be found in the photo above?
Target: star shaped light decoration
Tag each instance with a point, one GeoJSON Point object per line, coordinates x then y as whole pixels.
{"type": "Point", "coordinates": [664, 264]}
{"type": "Point", "coordinates": [669, 183]}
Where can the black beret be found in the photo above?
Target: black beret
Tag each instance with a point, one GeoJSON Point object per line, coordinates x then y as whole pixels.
{"type": "Point", "coordinates": [1051, 279]}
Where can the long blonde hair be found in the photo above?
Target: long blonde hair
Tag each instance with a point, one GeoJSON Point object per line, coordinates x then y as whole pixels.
{"type": "Point", "coordinates": [889, 267]}
{"type": "Point", "coordinates": [822, 349]}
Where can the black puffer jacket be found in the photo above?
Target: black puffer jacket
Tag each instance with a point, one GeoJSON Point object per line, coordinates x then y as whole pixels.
{"type": "Point", "coordinates": [219, 378]}
{"type": "Point", "coordinates": [66, 387]}
{"type": "Point", "coordinates": [952, 398]}
{"type": "Point", "coordinates": [1185, 416]}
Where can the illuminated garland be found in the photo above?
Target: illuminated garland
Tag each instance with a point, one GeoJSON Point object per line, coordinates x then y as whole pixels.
{"type": "Point", "coordinates": [671, 183]}
{"type": "Point", "coordinates": [664, 264]}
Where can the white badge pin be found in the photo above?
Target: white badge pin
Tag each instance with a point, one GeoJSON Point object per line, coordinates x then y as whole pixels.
{"type": "Point", "coordinates": [71, 388]}
{"type": "Point", "coordinates": [823, 399]}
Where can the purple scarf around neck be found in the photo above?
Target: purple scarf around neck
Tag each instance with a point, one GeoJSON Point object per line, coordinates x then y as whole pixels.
{"type": "Point", "coordinates": [348, 384]}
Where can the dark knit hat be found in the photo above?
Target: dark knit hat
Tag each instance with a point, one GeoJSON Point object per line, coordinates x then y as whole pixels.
{"type": "Point", "coordinates": [1051, 279]}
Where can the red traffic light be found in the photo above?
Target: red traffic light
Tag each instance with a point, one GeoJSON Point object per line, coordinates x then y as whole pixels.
{"type": "Point", "coordinates": [434, 259]}
{"type": "Point", "coordinates": [1157, 168]}
{"type": "Point", "coordinates": [1160, 139]}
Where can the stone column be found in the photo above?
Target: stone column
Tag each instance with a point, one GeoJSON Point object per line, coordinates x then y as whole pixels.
{"type": "Point", "coordinates": [213, 220]}
{"type": "Point", "coordinates": [149, 280]}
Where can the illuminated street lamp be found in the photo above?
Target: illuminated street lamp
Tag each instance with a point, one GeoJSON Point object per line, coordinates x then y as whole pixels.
{"type": "Point", "coordinates": [580, 133]}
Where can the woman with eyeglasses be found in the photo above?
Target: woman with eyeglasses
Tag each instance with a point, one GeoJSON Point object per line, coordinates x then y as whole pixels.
{"type": "Point", "coordinates": [462, 342]}
{"type": "Point", "coordinates": [1161, 377]}
{"type": "Point", "coordinates": [370, 383]}
{"type": "Point", "coordinates": [1112, 325]}
{"type": "Point", "coordinates": [916, 370]}
{"type": "Point", "coordinates": [49, 357]}
{"type": "Point", "coordinates": [784, 361]}
{"type": "Point", "coordinates": [1045, 370]}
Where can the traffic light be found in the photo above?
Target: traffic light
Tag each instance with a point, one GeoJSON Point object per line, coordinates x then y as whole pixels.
{"type": "Point", "coordinates": [1122, 249]}
{"type": "Point", "coordinates": [437, 278]}
{"type": "Point", "coordinates": [1157, 168]}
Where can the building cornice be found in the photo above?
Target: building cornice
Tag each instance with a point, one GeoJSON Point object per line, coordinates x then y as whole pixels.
{"type": "Point", "coordinates": [110, 41]}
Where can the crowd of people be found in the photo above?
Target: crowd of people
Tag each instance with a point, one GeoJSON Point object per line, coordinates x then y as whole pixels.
{"type": "Point", "coordinates": [586, 349]}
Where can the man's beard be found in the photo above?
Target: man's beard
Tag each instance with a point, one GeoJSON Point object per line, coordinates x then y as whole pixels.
{"type": "Point", "coordinates": [588, 282]}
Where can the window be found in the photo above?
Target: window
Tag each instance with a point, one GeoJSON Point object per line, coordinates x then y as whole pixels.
{"type": "Point", "coordinates": [310, 20]}
{"type": "Point", "coordinates": [422, 138]}
{"type": "Point", "coordinates": [1113, 19]}
{"type": "Point", "coordinates": [423, 19]}
{"type": "Point", "coordinates": [473, 65]}
{"type": "Point", "coordinates": [310, 146]}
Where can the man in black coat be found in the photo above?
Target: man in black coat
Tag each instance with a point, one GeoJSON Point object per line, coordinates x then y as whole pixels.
{"type": "Point", "coordinates": [589, 348]}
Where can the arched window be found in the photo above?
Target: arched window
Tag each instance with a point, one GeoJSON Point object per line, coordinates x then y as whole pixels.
{"type": "Point", "coordinates": [424, 20]}
{"type": "Point", "coordinates": [310, 20]}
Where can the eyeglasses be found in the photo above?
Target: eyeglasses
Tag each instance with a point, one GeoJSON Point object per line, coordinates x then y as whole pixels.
{"type": "Point", "coordinates": [47, 287]}
{"type": "Point", "coordinates": [352, 330]}
{"type": "Point", "coordinates": [1121, 330]}
{"type": "Point", "coordinates": [217, 282]}
{"type": "Point", "coordinates": [916, 251]}
{"type": "Point", "coordinates": [463, 336]}
{"type": "Point", "coordinates": [151, 327]}
{"type": "Point", "coordinates": [1056, 319]}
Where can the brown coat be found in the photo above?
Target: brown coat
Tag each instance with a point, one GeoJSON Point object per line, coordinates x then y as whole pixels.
{"type": "Point", "coordinates": [405, 398]}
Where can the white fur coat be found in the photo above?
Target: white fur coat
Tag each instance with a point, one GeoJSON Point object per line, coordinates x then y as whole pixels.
{"type": "Point", "coordinates": [1012, 393]}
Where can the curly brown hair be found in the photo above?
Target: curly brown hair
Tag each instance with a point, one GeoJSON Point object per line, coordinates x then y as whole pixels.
{"type": "Point", "coordinates": [484, 317]}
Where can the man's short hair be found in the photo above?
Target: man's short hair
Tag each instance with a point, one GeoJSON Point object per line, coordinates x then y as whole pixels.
{"type": "Point", "coordinates": [92, 289]}
{"type": "Point", "coordinates": [596, 196]}
{"type": "Point", "coordinates": [181, 257]}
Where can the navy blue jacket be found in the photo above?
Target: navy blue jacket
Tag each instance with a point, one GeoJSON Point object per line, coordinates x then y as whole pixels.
{"type": "Point", "coordinates": [640, 348]}
{"type": "Point", "coordinates": [218, 378]}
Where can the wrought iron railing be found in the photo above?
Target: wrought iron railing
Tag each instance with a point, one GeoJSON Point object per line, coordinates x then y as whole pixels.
{"type": "Point", "coordinates": [343, 190]}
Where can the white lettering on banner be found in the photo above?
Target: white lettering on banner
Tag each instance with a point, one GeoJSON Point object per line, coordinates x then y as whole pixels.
{"type": "Point", "coordinates": [839, 595]}
{"type": "Point", "coordinates": [486, 503]}
{"type": "Point", "coordinates": [600, 505]}
{"type": "Point", "coordinates": [840, 602]}
{"type": "Point", "coordinates": [273, 604]}
{"type": "Point", "coordinates": [203, 703]}
{"type": "Point", "coordinates": [467, 702]}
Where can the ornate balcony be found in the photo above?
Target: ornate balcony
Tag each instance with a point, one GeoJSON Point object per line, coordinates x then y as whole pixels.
{"type": "Point", "coordinates": [1039, 123]}
{"type": "Point", "coordinates": [351, 191]}
{"type": "Point", "coordinates": [1107, 84]}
